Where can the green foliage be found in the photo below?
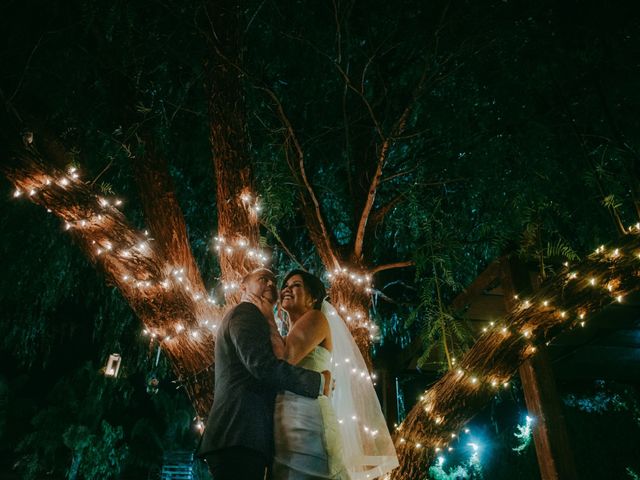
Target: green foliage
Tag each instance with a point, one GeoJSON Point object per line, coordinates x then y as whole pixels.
{"type": "Point", "coordinates": [606, 397]}
{"type": "Point", "coordinates": [524, 435]}
{"type": "Point", "coordinates": [99, 455]}
{"type": "Point", "coordinates": [468, 470]}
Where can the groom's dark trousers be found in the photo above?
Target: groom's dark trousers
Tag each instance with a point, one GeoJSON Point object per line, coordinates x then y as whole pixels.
{"type": "Point", "coordinates": [236, 463]}
{"type": "Point", "coordinates": [247, 377]}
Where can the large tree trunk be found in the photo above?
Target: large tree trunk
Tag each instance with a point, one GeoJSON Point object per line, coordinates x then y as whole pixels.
{"type": "Point", "coordinates": [168, 232]}
{"type": "Point", "coordinates": [236, 200]}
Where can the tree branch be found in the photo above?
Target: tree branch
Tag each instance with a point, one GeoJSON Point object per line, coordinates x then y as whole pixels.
{"type": "Point", "coordinates": [282, 244]}
{"type": "Point", "coordinates": [382, 157]}
{"type": "Point", "coordinates": [325, 246]}
{"type": "Point", "coordinates": [163, 213]}
{"type": "Point", "coordinates": [389, 266]}
{"type": "Point", "coordinates": [453, 400]}
{"type": "Point", "coordinates": [131, 262]}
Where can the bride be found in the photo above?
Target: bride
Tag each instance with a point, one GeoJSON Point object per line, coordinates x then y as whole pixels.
{"type": "Point", "coordinates": [341, 438]}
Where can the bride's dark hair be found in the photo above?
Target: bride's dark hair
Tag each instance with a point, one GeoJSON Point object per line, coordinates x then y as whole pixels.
{"type": "Point", "coordinates": [312, 284]}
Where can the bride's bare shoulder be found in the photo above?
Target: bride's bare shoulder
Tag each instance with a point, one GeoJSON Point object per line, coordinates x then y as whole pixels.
{"type": "Point", "coordinates": [313, 320]}
{"type": "Point", "coordinates": [315, 316]}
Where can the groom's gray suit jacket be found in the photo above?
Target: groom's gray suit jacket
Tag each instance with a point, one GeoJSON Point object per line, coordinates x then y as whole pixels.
{"type": "Point", "coordinates": [247, 377]}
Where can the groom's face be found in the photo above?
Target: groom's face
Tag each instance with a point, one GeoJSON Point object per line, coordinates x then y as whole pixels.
{"type": "Point", "coordinates": [263, 284]}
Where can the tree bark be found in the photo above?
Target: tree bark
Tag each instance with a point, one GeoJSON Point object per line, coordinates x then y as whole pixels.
{"type": "Point", "coordinates": [236, 199]}
{"type": "Point", "coordinates": [555, 458]}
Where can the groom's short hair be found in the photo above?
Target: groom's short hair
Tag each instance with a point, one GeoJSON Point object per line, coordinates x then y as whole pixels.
{"type": "Point", "coordinates": [253, 273]}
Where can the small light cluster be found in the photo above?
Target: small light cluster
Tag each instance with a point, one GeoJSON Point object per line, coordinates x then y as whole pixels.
{"type": "Point", "coordinates": [359, 279]}
{"type": "Point", "coordinates": [478, 380]}
{"type": "Point", "coordinates": [251, 202]}
{"type": "Point", "coordinates": [444, 447]}
{"type": "Point", "coordinates": [63, 181]}
{"type": "Point", "coordinates": [240, 244]}
{"type": "Point", "coordinates": [359, 316]}
{"type": "Point", "coordinates": [198, 424]}
{"type": "Point", "coordinates": [364, 374]}
{"type": "Point", "coordinates": [205, 328]}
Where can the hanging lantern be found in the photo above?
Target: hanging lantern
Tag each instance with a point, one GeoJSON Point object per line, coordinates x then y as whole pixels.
{"type": "Point", "coordinates": [113, 365]}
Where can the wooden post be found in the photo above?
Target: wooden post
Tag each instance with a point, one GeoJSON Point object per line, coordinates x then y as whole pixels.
{"type": "Point", "coordinates": [550, 437]}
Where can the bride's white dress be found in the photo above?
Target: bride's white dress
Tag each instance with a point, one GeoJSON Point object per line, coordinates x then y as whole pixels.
{"type": "Point", "coordinates": [307, 438]}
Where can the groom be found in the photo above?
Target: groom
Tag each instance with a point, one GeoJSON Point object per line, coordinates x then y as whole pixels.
{"type": "Point", "coordinates": [238, 440]}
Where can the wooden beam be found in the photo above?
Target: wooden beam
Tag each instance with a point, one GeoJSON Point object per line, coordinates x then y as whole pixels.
{"type": "Point", "coordinates": [555, 457]}
{"type": "Point", "coordinates": [478, 286]}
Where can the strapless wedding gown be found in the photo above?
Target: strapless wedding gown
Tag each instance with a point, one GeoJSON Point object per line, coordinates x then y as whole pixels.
{"type": "Point", "coordinates": [307, 438]}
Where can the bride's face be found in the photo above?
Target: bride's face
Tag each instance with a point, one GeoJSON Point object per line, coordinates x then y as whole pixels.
{"type": "Point", "coordinates": [294, 295]}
